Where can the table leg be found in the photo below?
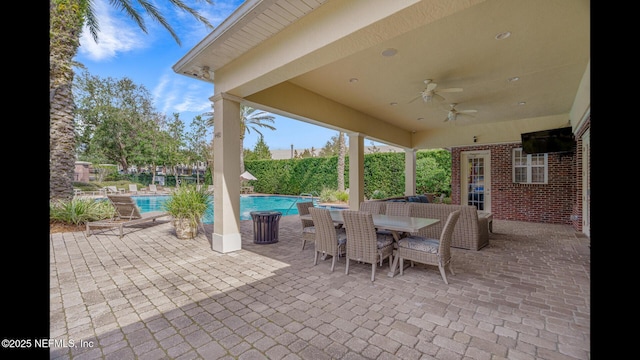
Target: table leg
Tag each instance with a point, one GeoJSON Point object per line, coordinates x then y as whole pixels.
{"type": "Point", "coordinates": [394, 268]}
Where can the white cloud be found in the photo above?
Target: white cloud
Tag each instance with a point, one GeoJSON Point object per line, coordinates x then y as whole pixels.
{"type": "Point", "coordinates": [176, 94]}
{"type": "Point", "coordinates": [116, 35]}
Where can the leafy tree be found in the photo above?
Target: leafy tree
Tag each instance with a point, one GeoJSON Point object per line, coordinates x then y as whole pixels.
{"type": "Point", "coordinates": [431, 177]}
{"type": "Point", "coordinates": [114, 120]}
{"type": "Point", "coordinates": [336, 147]}
{"type": "Point", "coordinates": [374, 149]}
{"type": "Point", "coordinates": [66, 21]}
{"type": "Point", "coordinates": [175, 145]}
{"type": "Point", "coordinates": [260, 151]}
{"type": "Point", "coordinates": [332, 147]}
{"type": "Point", "coordinates": [155, 151]}
{"type": "Point", "coordinates": [197, 143]}
{"type": "Point", "coordinates": [306, 153]}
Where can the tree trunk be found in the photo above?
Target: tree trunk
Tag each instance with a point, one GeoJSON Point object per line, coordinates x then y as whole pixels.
{"type": "Point", "coordinates": [241, 153]}
{"type": "Point", "coordinates": [341, 155]}
{"type": "Point", "coordinates": [65, 27]}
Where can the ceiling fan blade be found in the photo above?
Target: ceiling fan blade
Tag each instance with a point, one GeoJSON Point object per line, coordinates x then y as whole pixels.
{"type": "Point", "coordinates": [437, 96]}
{"type": "Point", "coordinates": [450, 90]}
{"type": "Point", "coordinates": [466, 111]}
{"type": "Point", "coordinates": [414, 99]}
{"type": "Point", "coordinates": [431, 86]}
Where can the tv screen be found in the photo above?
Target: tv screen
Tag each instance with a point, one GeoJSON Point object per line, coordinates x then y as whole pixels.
{"type": "Point", "coordinates": [548, 141]}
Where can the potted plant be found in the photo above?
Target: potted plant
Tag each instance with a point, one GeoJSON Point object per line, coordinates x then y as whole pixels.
{"type": "Point", "coordinates": [187, 205]}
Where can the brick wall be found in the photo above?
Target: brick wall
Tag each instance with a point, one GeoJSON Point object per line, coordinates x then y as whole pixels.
{"type": "Point", "coordinates": [553, 202]}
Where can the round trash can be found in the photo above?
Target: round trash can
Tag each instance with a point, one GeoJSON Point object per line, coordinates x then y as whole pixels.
{"type": "Point", "coordinates": [265, 226]}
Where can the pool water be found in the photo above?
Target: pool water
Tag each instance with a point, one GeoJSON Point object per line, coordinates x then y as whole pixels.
{"type": "Point", "coordinates": [248, 203]}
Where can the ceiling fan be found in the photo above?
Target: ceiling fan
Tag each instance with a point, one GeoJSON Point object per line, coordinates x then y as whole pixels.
{"type": "Point", "coordinates": [430, 92]}
{"type": "Point", "coordinates": [453, 113]}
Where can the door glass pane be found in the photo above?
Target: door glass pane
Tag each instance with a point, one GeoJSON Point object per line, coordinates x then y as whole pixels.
{"type": "Point", "coordinates": [476, 182]}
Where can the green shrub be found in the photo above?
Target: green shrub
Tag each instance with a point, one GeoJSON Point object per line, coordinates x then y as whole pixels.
{"type": "Point", "coordinates": [80, 211]}
{"type": "Point", "coordinates": [332, 195]}
{"type": "Point", "coordinates": [378, 194]}
{"type": "Point", "coordinates": [342, 196]}
{"type": "Point", "coordinates": [328, 195]}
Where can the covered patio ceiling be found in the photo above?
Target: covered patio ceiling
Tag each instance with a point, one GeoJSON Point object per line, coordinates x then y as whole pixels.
{"type": "Point", "coordinates": [360, 65]}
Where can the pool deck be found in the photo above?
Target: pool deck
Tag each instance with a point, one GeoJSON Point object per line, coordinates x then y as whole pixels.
{"type": "Point", "coordinates": [150, 295]}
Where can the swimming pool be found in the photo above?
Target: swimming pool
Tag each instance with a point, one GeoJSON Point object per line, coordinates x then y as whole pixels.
{"type": "Point", "coordinates": [248, 203]}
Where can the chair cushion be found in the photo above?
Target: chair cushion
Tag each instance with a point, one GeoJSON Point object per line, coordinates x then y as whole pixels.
{"type": "Point", "coordinates": [384, 240]}
{"type": "Point", "coordinates": [384, 232]}
{"type": "Point", "coordinates": [309, 229]}
{"type": "Point", "coordinates": [423, 198]}
{"type": "Point", "coordinates": [413, 199]}
{"type": "Point", "coordinates": [420, 243]}
{"type": "Point", "coordinates": [342, 236]}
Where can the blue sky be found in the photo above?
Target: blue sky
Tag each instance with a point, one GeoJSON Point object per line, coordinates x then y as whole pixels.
{"type": "Point", "coordinates": [124, 50]}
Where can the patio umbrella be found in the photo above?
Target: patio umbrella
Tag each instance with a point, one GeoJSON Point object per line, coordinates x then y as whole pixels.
{"type": "Point", "coordinates": [247, 176]}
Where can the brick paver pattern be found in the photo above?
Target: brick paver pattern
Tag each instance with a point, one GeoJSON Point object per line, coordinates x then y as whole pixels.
{"type": "Point", "coordinates": [151, 295]}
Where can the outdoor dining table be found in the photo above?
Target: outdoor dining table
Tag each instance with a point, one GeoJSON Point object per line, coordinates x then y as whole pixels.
{"type": "Point", "coordinates": [395, 224]}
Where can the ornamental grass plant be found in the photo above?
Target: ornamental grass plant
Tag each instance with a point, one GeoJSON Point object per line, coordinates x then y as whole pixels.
{"type": "Point", "coordinates": [189, 203]}
{"type": "Point", "coordinates": [78, 211]}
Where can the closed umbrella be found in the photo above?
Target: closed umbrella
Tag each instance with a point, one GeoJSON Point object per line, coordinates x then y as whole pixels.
{"type": "Point", "coordinates": [247, 176]}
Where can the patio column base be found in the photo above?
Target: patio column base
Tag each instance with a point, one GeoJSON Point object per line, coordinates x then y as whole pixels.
{"type": "Point", "coordinates": [225, 243]}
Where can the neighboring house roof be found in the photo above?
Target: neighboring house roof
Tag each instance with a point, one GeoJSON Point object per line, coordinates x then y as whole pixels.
{"type": "Point", "coordinates": [279, 154]}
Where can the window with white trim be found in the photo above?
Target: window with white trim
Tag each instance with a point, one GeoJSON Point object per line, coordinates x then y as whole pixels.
{"type": "Point", "coordinates": [529, 168]}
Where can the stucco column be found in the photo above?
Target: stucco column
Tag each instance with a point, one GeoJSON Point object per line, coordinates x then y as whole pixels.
{"type": "Point", "coordinates": [356, 170]}
{"type": "Point", "coordinates": [409, 172]}
{"type": "Point", "coordinates": [226, 174]}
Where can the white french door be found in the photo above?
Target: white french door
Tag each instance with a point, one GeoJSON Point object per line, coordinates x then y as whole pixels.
{"type": "Point", "coordinates": [475, 178]}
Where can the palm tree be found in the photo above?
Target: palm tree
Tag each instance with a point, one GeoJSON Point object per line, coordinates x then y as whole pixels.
{"type": "Point", "coordinates": [66, 21]}
{"type": "Point", "coordinates": [250, 118]}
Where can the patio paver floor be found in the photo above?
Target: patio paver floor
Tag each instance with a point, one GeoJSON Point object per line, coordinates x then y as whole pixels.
{"type": "Point", "coordinates": [150, 295]}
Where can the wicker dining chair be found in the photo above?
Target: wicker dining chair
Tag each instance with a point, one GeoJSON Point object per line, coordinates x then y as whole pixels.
{"type": "Point", "coordinates": [329, 240]}
{"type": "Point", "coordinates": [374, 207]}
{"type": "Point", "coordinates": [308, 229]}
{"type": "Point", "coordinates": [430, 251]}
{"type": "Point", "coordinates": [396, 208]}
{"type": "Point", "coordinates": [363, 243]}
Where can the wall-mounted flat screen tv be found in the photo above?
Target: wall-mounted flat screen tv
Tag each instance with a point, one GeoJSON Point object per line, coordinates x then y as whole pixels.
{"type": "Point", "coordinates": [548, 141]}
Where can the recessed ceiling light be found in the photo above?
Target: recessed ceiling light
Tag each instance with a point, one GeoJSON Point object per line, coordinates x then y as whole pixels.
{"type": "Point", "coordinates": [503, 35]}
{"type": "Point", "coordinates": [420, 119]}
{"type": "Point", "coordinates": [522, 102]}
{"type": "Point", "coordinates": [389, 52]}
{"type": "Point", "coordinates": [514, 78]}
{"type": "Point", "coordinates": [393, 103]}
{"type": "Point", "coordinates": [353, 80]}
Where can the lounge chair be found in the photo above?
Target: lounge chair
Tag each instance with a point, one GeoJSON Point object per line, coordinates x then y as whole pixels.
{"type": "Point", "coordinates": [111, 190]}
{"type": "Point", "coordinates": [153, 189]}
{"type": "Point", "coordinates": [133, 188]}
{"type": "Point", "coordinates": [127, 214]}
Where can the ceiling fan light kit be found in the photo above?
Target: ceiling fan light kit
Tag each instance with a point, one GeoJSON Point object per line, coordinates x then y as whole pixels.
{"type": "Point", "coordinates": [453, 113]}
{"type": "Point", "coordinates": [430, 92]}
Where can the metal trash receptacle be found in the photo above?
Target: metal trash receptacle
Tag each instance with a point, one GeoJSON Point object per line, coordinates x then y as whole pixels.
{"type": "Point", "coordinates": [265, 226]}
